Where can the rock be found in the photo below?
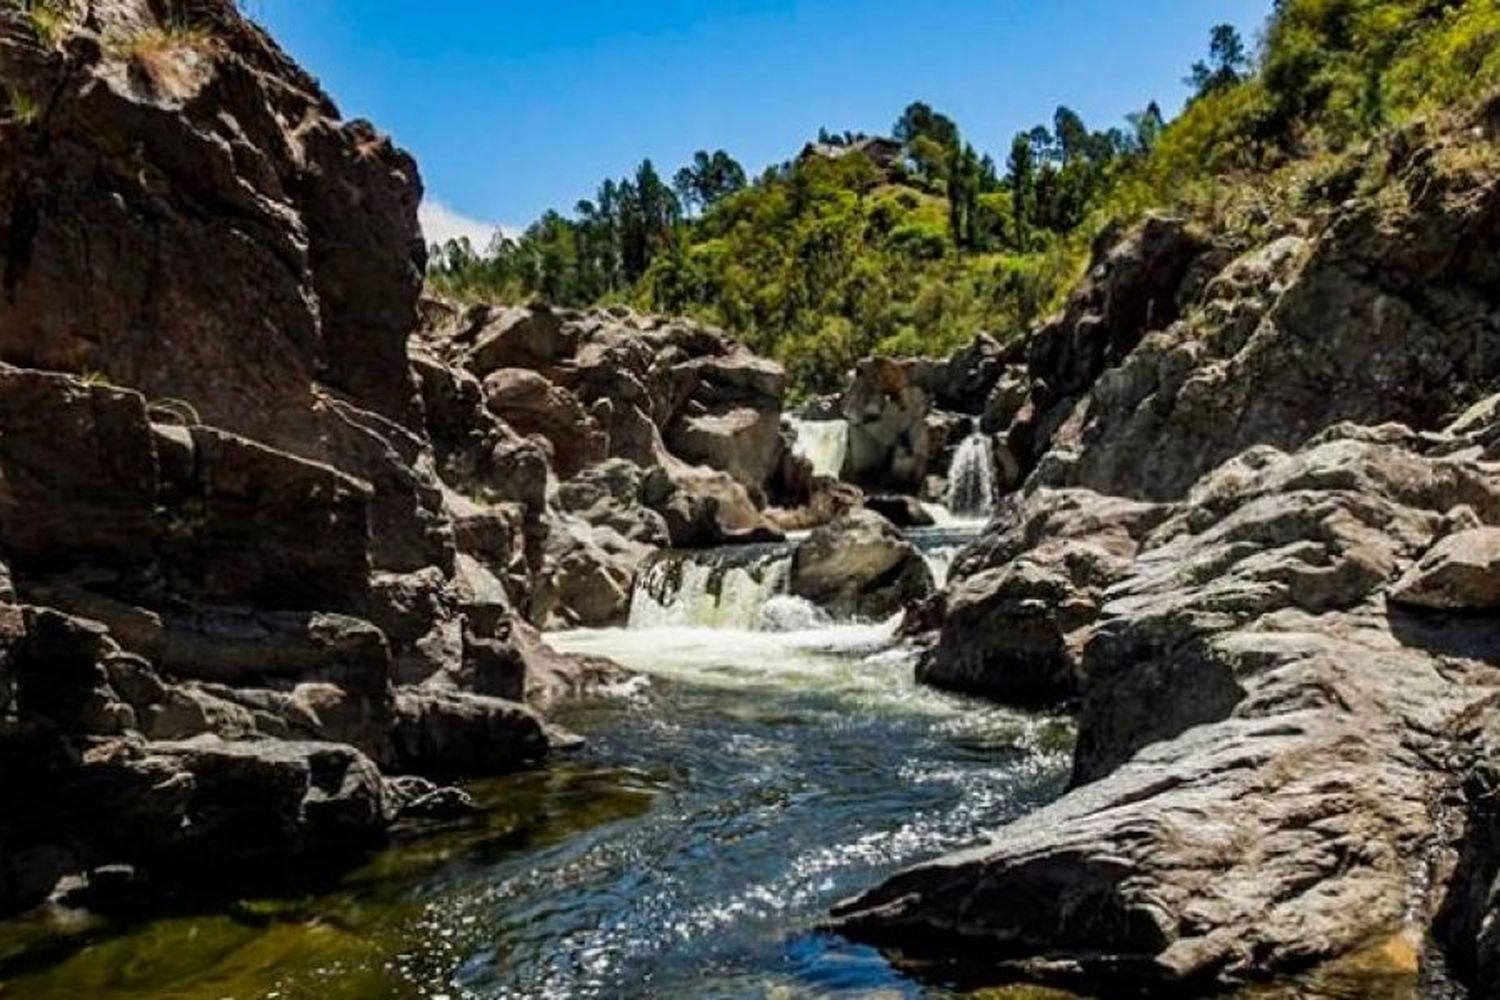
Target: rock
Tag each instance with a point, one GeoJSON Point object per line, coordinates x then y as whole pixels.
{"type": "Point", "coordinates": [889, 446]}
{"type": "Point", "coordinates": [859, 565]}
{"type": "Point", "coordinates": [532, 405]}
{"type": "Point", "coordinates": [827, 498]}
{"type": "Point", "coordinates": [1465, 926]}
{"type": "Point", "coordinates": [730, 416]}
{"type": "Point", "coordinates": [526, 337]}
{"type": "Point", "coordinates": [902, 511]}
{"type": "Point", "coordinates": [257, 509]}
{"type": "Point", "coordinates": [454, 733]}
{"type": "Point", "coordinates": [1007, 398]}
{"type": "Point", "coordinates": [553, 677]}
{"type": "Point", "coordinates": [1460, 572]}
{"type": "Point", "coordinates": [1370, 321]}
{"type": "Point", "coordinates": [207, 801]}
{"type": "Point", "coordinates": [610, 495]}
{"type": "Point", "coordinates": [704, 507]}
{"type": "Point", "coordinates": [241, 647]}
{"type": "Point", "coordinates": [587, 577]}
{"type": "Point", "coordinates": [418, 798]}
{"type": "Point", "coordinates": [1132, 288]}
{"type": "Point", "coordinates": [1014, 635]}
{"type": "Point", "coordinates": [1020, 601]}
{"type": "Point", "coordinates": [316, 280]}
{"type": "Point", "coordinates": [743, 441]}
{"type": "Point", "coordinates": [1263, 736]}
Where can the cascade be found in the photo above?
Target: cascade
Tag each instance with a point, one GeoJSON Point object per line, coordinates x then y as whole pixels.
{"type": "Point", "coordinates": [823, 443]}
{"type": "Point", "coordinates": [726, 588]}
{"type": "Point", "coordinates": [971, 477]}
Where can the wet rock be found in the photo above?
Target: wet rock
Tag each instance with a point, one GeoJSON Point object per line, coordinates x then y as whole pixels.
{"type": "Point", "coordinates": [418, 798]}
{"type": "Point", "coordinates": [859, 565]}
{"type": "Point", "coordinates": [454, 733]}
{"type": "Point", "coordinates": [206, 799]}
{"type": "Point", "coordinates": [902, 511]}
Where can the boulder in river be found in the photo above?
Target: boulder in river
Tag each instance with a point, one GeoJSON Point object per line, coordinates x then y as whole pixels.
{"type": "Point", "coordinates": [859, 565]}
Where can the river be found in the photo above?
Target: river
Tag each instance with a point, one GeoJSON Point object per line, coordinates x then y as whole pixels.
{"type": "Point", "coordinates": [767, 763]}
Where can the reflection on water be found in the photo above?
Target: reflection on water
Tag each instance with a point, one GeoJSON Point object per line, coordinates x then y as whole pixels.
{"type": "Point", "coordinates": [720, 807]}
{"type": "Point", "coordinates": [689, 851]}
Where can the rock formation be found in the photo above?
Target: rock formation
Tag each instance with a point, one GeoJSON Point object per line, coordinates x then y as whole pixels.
{"type": "Point", "coordinates": [1256, 547]}
{"type": "Point", "coordinates": [859, 566]}
{"type": "Point", "coordinates": [272, 527]}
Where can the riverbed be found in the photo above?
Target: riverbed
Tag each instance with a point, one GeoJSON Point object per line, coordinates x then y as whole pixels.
{"type": "Point", "coordinates": [766, 763]}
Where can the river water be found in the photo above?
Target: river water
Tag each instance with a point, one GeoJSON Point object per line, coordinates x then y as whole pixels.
{"type": "Point", "coordinates": [767, 763]}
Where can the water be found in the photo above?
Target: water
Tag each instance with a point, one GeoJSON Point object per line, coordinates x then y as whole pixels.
{"type": "Point", "coordinates": [971, 477]}
{"type": "Point", "coordinates": [823, 443]}
{"type": "Point", "coordinates": [765, 765]}
{"type": "Point", "coordinates": [941, 543]}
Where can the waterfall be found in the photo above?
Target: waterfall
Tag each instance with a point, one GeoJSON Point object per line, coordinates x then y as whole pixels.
{"type": "Point", "coordinates": [823, 443]}
{"type": "Point", "coordinates": [729, 588]}
{"type": "Point", "coordinates": [971, 477]}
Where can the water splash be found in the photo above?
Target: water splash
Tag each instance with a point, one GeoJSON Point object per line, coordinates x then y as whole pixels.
{"type": "Point", "coordinates": [823, 443]}
{"type": "Point", "coordinates": [971, 477]}
{"type": "Point", "coordinates": [723, 589]}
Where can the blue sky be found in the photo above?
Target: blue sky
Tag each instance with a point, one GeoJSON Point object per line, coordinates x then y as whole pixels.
{"type": "Point", "coordinates": [512, 108]}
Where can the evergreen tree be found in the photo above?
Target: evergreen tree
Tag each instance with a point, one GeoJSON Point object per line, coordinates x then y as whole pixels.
{"type": "Point", "coordinates": [1227, 62]}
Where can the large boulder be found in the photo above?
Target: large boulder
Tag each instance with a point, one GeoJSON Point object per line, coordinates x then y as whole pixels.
{"type": "Point", "coordinates": [1267, 739]}
{"type": "Point", "coordinates": [532, 405]}
{"type": "Point", "coordinates": [889, 445]}
{"type": "Point", "coordinates": [208, 800]}
{"type": "Point", "coordinates": [454, 732]}
{"type": "Point", "coordinates": [1460, 572]}
{"type": "Point", "coordinates": [729, 417]}
{"type": "Point", "coordinates": [1020, 601]}
{"type": "Point", "coordinates": [859, 566]}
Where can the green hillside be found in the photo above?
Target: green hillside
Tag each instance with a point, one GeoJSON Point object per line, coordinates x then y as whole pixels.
{"type": "Point", "coordinates": [861, 245]}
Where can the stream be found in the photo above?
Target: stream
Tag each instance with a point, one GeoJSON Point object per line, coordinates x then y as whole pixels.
{"type": "Point", "coordinates": [767, 763]}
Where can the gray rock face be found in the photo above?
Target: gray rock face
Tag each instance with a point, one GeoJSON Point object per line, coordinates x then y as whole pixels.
{"type": "Point", "coordinates": [1277, 620]}
{"type": "Point", "coordinates": [1267, 738]}
{"type": "Point", "coordinates": [1382, 316]}
{"type": "Point", "coordinates": [1022, 600]}
{"type": "Point", "coordinates": [889, 442]}
{"type": "Point", "coordinates": [1461, 571]}
{"type": "Point", "coordinates": [859, 565]}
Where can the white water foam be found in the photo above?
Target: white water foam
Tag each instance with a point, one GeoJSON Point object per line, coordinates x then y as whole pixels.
{"type": "Point", "coordinates": [971, 477]}
{"type": "Point", "coordinates": [823, 443]}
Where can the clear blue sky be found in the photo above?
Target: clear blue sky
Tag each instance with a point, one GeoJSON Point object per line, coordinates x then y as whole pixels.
{"type": "Point", "coordinates": [515, 107]}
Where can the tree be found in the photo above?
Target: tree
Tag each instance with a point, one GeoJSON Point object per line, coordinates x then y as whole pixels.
{"type": "Point", "coordinates": [1227, 62]}
{"type": "Point", "coordinates": [1073, 140]}
{"type": "Point", "coordinates": [1021, 179]}
{"type": "Point", "coordinates": [920, 121]}
{"type": "Point", "coordinates": [1146, 126]}
{"type": "Point", "coordinates": [708, 178]}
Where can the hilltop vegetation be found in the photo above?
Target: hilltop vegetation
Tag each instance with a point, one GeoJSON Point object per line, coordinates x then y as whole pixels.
{"type": "Point", "coordinates": [862, 245]}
